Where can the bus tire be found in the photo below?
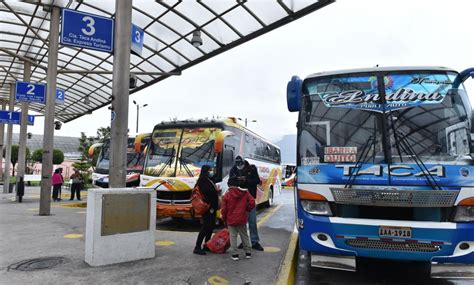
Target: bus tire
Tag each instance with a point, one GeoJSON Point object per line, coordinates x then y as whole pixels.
{"type": "Point", "coordinates": [270, 198]}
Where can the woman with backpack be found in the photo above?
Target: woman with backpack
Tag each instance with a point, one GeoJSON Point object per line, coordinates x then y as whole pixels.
{"type": "Point", "coordinates": [209, 192]}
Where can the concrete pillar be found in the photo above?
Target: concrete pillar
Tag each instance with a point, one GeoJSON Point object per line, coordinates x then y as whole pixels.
{"type": "Point", "coordinates": [2, 139]}
{"type": "Point", "coordinates": [120, 91]}
{"type": "Point", "coordinates": [8, 144]}
{"type": "Point", "coordinates": [48, 135]}
{"type": "Point", "coordinates": [23, 134]}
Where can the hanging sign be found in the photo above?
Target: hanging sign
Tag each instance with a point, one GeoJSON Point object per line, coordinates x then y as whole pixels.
{"type": "Point", "coordinates": [60, 94]}
{"type": "Point", "coordinates": [137, 39]}
{"type": "Point", "coordinates": [87, 30]}
{"type": "Point", "coordinates": [30, 92]}
{"type": "Point", "coordinates": [14, 118]}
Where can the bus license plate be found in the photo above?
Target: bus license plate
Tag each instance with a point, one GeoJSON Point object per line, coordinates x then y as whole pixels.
{"type": "Point", "coordinates": [396, 232]}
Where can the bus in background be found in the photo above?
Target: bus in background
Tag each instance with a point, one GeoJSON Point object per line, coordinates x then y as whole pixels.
{"type": "Point", "coordinates": [385, 167]}
{"type": "Point", "coordinates": [136, 148]}
{"type": "Point", "coordinates": [288, 174]}
{"type": "Point", "coordinates": [178, 150]}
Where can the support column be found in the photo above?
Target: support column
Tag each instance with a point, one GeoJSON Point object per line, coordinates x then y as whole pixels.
{"type": "Point", "coordinates": [120, 91]}
{"type": "Point", "coordinates": [2, 139]}
{"type": "Point", "coordinates": [20, 184]}
{"type": "Point", "coordinates": [8, 144]}
{"type": "Point", "coordinates": [48, 135]}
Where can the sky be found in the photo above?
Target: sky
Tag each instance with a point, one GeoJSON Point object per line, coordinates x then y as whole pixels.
{"type": "Point", "coordinates": [250, 80]}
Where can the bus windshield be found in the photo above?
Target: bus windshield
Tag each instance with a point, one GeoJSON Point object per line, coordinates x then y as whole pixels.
{"type": "Point", "coordinates": [135, 161]}
{"type": "Point", "coordinates": [385, 118]}
{"type": "Point", "coordinates": [181, 152]}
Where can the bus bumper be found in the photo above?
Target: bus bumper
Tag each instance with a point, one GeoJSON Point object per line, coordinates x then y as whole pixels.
{"type": "Point", "coordinates": [176, 211]}
{"type": "Point", "coordinates": [438, 243]}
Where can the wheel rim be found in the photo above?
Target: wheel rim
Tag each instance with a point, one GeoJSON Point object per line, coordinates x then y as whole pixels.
{"type": "Point", "coordinates": [270, 198]}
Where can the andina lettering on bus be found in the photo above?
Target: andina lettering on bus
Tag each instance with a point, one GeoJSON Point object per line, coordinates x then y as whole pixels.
{"type": "Point", "coordinates": [402, 95]}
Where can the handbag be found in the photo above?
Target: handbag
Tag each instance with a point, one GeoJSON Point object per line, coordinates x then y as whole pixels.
{"type": "Point", "coordinates": [197, 202]}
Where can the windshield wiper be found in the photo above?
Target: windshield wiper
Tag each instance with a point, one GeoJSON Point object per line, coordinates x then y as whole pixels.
{"type": "Point", "coordinates": [402, 144]}
{"type": "Point", "coordinates": [407, 148]}
{"type": "Point", "coordinates": [362, 159]}
{"type": "Point", "coordinates": [184, 164]}
{"type": "Point", "coordinates": [167, 163]}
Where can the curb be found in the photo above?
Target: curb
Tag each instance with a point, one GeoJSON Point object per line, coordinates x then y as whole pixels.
{"type": "Point", "coordinates": [287, 271]}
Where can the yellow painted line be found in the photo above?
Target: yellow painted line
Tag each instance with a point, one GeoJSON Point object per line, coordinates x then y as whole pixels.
{"type": "Point", "coordinates": [217, 280]}
{"type": "Point", "coordinates": [164, 242]}
{"type": "Point", "coordinates": [33, 209]}
{"type": "Point", "coordinates": [73, 236]}
{"type": "Point", "coordinates": [271, 249]}
{"type": "Point", "coordinates": [268, 215]}
{"type": "Point", "coordinates": [287, 271]}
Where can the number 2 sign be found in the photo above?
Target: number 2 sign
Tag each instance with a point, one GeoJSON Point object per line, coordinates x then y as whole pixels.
{"type": "Point", "coordinates": [87, 30]}
{"type": "Point", "coordinates": [30, 92]}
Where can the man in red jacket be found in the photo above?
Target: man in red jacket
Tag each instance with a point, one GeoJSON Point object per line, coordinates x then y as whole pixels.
{"type": "Point", "coordinates": [236, 205]}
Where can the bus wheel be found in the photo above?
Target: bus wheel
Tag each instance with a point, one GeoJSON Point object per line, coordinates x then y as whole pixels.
{"type": "Point", "coordinates": [270, 198]}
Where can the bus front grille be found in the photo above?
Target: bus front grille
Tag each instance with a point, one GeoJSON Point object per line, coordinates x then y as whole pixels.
{"type": "Point", "coordinates": [173, 197]}
{"type": "Point", "coordinates": [395, 198]}
{"type": "Point", "coordinates": [393, 245]}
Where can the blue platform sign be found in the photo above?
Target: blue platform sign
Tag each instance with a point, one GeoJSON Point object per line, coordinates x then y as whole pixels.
{"type": "Point", "coordinates": [60, 94]}
{"type": "Point", "coordinates": [87, 30]}
{"type": "Point", "coordinates": [30, 92]}
{"type": "Point", "coordinates": [31, 120]}
{"type": "Point", "coordinates": [137, 39]}
{"type": "Point", "coordinates": [7, 117]}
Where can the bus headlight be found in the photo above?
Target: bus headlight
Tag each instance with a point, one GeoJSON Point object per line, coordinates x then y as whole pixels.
{"type": "Point", "coordinates": [316, 207]}
{"type": "Point", "coordinates": [464, 214]}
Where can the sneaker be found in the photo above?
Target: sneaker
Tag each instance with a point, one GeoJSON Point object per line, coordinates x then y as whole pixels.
{"type": "Point", "coordinates": [199, 251]}
{"type": "Point", "coordinates": [241, 245]}
{"type": "Point", "coordinates": [257, 246]}
{"type": "Point", "coordinates": [235, 257]}
{"type": "Point", "coordinates": [248, 255]}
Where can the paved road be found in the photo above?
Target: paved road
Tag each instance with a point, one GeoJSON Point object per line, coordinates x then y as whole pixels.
{"type": "Point", "coordinates": [26, 236]}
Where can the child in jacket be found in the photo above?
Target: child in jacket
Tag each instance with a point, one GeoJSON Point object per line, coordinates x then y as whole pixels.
{"type": "Point", "coordinates": [236, 205]}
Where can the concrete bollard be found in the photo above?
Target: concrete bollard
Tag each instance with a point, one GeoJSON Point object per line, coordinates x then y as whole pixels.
{"type": "Point", "coordinates": [120, 225]}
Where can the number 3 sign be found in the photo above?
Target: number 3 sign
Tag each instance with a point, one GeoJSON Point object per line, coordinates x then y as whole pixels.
{"type": "Point", "coordinates": [87, 30]}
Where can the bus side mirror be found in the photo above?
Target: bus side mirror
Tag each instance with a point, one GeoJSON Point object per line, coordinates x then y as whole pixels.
{"type": "Point", "coordinates": [294, 93]}
{"type": "Point", "coordinates": [219, 140]}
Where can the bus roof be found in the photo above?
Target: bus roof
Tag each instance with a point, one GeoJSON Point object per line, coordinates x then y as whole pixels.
{"type": "Point", "coordinates": [378, 69]}
{"type": "Point", "coordinates": [231, 121]}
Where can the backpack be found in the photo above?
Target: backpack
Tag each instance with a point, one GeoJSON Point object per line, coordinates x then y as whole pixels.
{"type": "Point", "coordinates": [197, 202]}
{"type": "Point", "coordinates": [219, 242]}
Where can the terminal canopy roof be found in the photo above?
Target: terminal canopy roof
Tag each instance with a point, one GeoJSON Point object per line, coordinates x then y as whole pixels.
{"type": "Point", "coordinates": [168, 26]}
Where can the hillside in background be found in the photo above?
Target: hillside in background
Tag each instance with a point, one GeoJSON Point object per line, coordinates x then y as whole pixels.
{"type": "Point", "coordinates": [288, 149]}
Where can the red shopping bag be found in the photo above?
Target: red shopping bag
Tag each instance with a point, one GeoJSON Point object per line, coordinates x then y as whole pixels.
{"type": "Point", "coordinates": [219, 242]}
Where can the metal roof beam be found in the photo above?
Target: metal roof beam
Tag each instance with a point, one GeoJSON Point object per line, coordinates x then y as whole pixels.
{"type": "Point", "coordinates": [111, 72]}
{"type": "Point", "coordinates": [26, 24]}
{"type": "Point", "coordinates": [23, 58]}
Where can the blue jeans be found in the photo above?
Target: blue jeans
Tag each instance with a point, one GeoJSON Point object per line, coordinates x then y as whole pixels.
{"type": "Point", "coordinates": [253, 226]}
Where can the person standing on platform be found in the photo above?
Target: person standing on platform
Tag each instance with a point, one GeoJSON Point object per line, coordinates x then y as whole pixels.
{"type": "Point", "coordinates": [57, 181]}
{"type": "Point", "coordinates": [209, 191]}
{"type": "Point", "coordinates": [76, 185]}
{"type": "Point", "coordinates": [253, 180]}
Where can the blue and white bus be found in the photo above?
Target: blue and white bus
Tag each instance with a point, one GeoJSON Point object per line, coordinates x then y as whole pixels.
{"type": "Point", "coordinates": [385, 166]}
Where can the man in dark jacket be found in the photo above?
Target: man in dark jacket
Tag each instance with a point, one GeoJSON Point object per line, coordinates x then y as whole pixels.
{"type": "Point", "coordinates": [238, 171]}
{"type": "Point", "coordinates": [252, 180]}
